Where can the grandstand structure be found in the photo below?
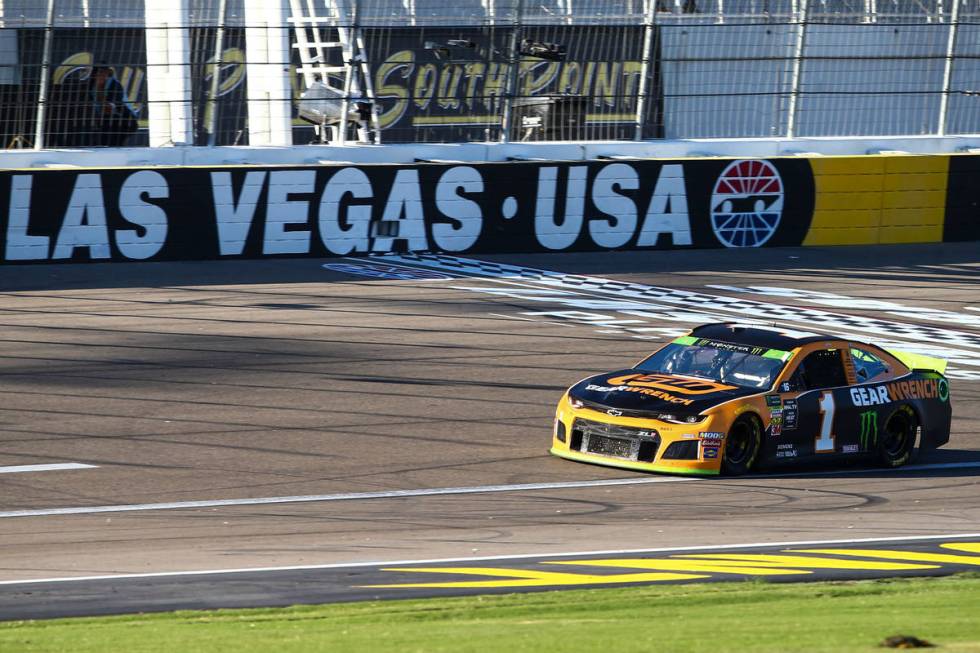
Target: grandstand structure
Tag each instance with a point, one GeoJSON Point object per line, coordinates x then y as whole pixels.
{"type": "Point", "coordinates": [282, 72]}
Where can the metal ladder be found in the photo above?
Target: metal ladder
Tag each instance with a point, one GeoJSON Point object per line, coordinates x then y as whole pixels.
{"type": "Point", "coordinates": [314, 54]}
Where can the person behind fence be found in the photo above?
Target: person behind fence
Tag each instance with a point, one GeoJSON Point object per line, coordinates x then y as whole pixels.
{"type": "Point", "coordinates": [114, 119]}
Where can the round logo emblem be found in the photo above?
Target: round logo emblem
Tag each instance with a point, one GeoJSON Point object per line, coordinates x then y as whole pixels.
{"type": "Point", "coordinates": [747, 203]}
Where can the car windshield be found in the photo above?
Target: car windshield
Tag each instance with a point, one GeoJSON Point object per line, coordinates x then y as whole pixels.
{"type": "Point", "coordinates": [731, 363]}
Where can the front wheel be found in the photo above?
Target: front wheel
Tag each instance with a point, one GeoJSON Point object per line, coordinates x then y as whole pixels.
{"type": "Point", "coordinates": [742, 446]}
{"type": "Point", "coordinates": [898, 438]}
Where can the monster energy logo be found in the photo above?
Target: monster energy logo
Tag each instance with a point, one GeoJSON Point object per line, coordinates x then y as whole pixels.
{"type": "Point", "coordinates": [869, 429]}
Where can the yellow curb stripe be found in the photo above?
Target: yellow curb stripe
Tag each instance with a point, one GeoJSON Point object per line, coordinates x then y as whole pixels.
{"type": "Point", "coordinates": [808, 562]}
{"type": "Point", "coordinates": [528, 577]}
{"type": "Point", "coordinates": [719, 567]}
{"type": "Point", "coordinates": [918, 556]}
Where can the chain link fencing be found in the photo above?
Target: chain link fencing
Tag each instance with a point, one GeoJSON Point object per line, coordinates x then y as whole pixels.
{"type": "Point", "coordinates": [76, 73]}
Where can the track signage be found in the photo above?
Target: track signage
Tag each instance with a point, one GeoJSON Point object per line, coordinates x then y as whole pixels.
{"type": "Point", "coordinates": [197, 213]}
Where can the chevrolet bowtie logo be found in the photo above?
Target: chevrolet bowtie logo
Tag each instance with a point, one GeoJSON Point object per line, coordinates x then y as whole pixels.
{"type": "Point", "coordinates": [614, 412]}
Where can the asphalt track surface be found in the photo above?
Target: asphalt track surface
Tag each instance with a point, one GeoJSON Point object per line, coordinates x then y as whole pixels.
{"type": "Point", "coordinates": [266, 414]}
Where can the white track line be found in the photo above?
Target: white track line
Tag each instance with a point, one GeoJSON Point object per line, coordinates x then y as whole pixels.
{"type": "Point", "coordinates": [428, 492]}
{"type": "Point", "coordinates": [520, 556]}
{"type": "Point", "coordinates": [51, 467]}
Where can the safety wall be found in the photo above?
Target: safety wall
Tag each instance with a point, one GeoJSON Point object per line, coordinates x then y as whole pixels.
{"type": "Point", "coordinates": [193, 213]}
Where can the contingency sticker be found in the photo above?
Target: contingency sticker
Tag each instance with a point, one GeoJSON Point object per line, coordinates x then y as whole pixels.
{"type": "Point", "coordinates": [786, 451]}
{"type": "Point", "coordinates": [790, 414]}
{"type": "Point", "coordinates": [776, 425]}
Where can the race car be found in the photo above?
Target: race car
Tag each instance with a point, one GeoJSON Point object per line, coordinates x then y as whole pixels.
{"type": "Point", "coordinates": [731, 398]}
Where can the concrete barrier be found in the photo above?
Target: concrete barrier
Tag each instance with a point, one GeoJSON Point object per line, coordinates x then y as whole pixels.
{"type": "Point", "coordinates": [193, 213]}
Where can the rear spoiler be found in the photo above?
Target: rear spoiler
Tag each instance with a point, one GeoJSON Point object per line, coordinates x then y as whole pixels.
{"type": "Point", "coordinates": [919, 361]}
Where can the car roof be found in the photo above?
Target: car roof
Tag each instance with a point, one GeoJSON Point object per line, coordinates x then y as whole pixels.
{"type": "Point", "coordinates": [754, 335]}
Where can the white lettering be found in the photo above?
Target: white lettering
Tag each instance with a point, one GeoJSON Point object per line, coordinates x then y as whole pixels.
{"type": "Point", "coordinates": [336, 237]}
{"type": "Point", "coordinates": [84, 224]}
{"type": "Point", "coordinates": [21, 246]}
{"type": "Point", "coordinates": [547, 230]}
{"type": "Point", "coordinates": [235, 218]}
{"type": "Point", "coordinates": [135, 209]}
{"type": "Point", "coordinates": [404, 206]}
{"type": "Point", "coordinates": [617, 230]}
{"type": "Point", "coordinates": [282, 211]}
{"type": "Point", "coordinates": [667, 212]}
{"type": "Point", "coordinates": [882, 394]}
{"type": "Point", "coordinates": [465, 212]}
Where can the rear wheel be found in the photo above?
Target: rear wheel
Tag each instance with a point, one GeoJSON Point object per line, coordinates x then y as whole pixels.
{"type": "Point", "coordinates": [898, 437]}
{"type": "Point", "coordinates": [742, 446]}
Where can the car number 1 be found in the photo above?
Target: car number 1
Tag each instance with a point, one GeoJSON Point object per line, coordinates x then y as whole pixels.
{"type": "Point", "coordinates": [825, 441]}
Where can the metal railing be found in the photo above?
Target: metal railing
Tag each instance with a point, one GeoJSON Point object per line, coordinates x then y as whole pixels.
{"type": "Point", "coordinates": [83, 73]}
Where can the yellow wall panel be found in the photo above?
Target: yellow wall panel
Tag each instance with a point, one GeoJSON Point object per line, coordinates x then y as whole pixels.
{"type": "Point", "coordinates": [850, 183]}
{"type": "Point", "coordinates": [842, 165]}
{"type": "Point", "coordinates": [845, 218]}
{"type": "Point", "coordinates": [930, 181]}
{"type": "Point", "coordinates": [915, 165]}
{"type": "Point", "coordinates": [842, 236]}
{"type": "Point", "coordinates": [848, 201]}
{"type": "Point", "coordinates": [878, 199]}
{"type": "Point", "coordinates": [912, 199]}
{"type": "Point", "coordinates": [912, 217]}
{"type": "Point", "coordinates": [929, 234]}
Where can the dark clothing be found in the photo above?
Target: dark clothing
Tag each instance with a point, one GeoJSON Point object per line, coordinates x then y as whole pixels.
{"type": "Point", "coordinates": [92, 113]}
{"type": "Point", "coordinates": [114, 119]}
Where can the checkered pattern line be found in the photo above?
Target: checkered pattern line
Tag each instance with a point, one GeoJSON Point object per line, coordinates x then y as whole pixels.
{"type": "Point", "coordinates": [692, 300]}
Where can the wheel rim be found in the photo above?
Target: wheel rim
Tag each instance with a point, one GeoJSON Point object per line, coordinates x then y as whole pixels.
{"type": "Point", "coordinates": [738, 447]}
{"type": "Point", "coordinates": [896, 436]}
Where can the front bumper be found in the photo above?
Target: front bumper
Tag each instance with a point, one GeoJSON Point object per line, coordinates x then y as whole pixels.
{"type": "Point", "coordinates": [634, 443]}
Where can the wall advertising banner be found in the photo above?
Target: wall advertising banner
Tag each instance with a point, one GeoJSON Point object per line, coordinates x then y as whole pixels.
{"type": "Point", "coordinates": [200, 213]}
{"type": "Point", "coordinates": [448, 84]}
{"type": "Point", "coordinates": [432, 84]}
{"type": "Point", "coordinates": [71, 100]}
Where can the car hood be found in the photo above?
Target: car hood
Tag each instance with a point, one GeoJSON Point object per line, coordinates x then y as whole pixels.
{"type": "Point", "coordinates": [634, 391]}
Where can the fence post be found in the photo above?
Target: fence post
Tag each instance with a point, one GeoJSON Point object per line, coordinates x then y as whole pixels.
{"type": "Point", "coordinates": [42, 97]}
{"type": "Point", "coordinates": [350, 55]}
{"type": "Point", "coordinates": [954, 21]}
{"type": "Point", "coordinates": [168, 73]}
{"type": "Point", "coordinates": [642, 89]}
{"type": "Point", "coordinates": [219, 48]}
{"type": "Point", "coordinates": [268, 67]}
{"type": "Point", "coordinates": [798, 44]}
{"type": "Point", "coordinates": [513, 69]}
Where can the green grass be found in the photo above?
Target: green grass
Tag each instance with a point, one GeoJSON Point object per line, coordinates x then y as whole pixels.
{"type": "Point", "coordinates": [745, 617]}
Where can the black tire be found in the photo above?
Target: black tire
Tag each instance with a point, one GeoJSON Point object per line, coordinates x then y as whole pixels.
{"type": "Point", "coordinates": [897, 441]}
{"type": "Point", "coordinates": [742, 446]}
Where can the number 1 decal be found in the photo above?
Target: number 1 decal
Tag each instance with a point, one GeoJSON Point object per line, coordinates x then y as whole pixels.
{"type": "Point", "coordinates": [825, 441]}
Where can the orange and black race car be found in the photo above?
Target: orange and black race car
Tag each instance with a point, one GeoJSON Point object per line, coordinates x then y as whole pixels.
{"type": "Point", "coordinates": [728, 398]}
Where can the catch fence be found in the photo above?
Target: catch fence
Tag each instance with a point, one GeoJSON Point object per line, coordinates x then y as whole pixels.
{"type": "Point", "coordinates": [84, 73]}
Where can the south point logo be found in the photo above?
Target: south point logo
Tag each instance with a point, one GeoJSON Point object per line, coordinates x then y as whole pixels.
{"type": "Point", "coordinates": [747, 204]}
